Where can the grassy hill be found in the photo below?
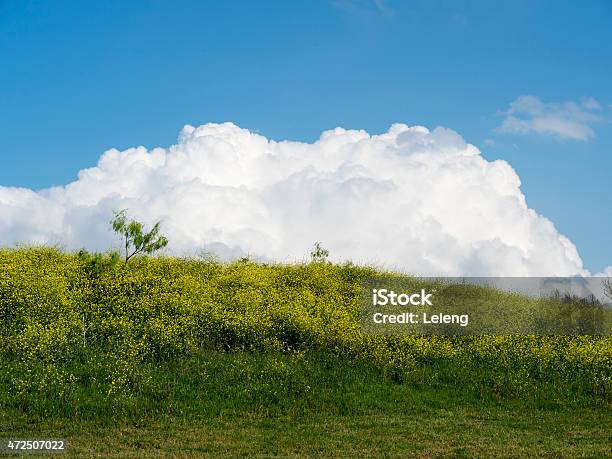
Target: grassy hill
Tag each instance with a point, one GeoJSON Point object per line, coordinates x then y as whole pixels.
{"type": "Point", "coordinates": [180, 357]}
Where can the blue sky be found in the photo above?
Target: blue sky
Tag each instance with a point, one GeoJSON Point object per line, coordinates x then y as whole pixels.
{"type": "Point", "coordinates": [78, 78]}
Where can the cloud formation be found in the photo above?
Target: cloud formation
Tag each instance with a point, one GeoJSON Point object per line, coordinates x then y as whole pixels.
{"type": "Point", "coordinates": [567, 120]}
{"type": "Point", "coordinates": [422, 201]}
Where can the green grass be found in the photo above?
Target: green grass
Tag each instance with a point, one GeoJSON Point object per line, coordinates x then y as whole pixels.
{"type": "Point", "coordinates": [243, 403]}
{"type": "Point", "coordinates": [460, 431]}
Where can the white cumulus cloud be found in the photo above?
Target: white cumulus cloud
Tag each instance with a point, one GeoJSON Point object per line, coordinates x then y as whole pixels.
{"type": "Point", "coordinates": [422, 201]}
{"type": "Point", "coordinates": [567, 120]}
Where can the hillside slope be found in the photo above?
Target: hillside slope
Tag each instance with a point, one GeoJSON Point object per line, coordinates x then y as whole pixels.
{"type": "Point", "coordinates": [89, 344]}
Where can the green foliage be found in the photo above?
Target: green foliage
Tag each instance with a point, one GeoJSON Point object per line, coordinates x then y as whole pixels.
{"type": "Point", "coordinates": [73, 325]}
{"type": "Point", "coordinates": [94, 264]}
{"type": "Point", "coordinates": [136, 239]}
{"type": "Point", "coordinates": [319, 254]}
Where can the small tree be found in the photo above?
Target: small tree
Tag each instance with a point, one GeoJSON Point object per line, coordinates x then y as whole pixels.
{"type": "Point", "coordinates": [136, 239]}
{"type": "Point", "coordinates": [318, 254]}
{"type": "Point", "coordinates": [607, 285]}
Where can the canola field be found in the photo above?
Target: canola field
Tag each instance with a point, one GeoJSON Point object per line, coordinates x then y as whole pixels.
{"type": "Point", "coordinates": [75, 327]}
